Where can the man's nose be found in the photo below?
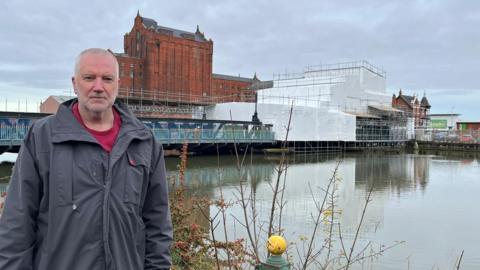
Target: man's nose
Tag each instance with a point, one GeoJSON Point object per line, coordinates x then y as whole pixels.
{"type": "Point", "coordinates": [98, 84]}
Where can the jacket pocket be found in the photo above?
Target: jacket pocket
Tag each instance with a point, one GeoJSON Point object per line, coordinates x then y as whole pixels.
{"type": "Point", "coordinates": [136, 175]}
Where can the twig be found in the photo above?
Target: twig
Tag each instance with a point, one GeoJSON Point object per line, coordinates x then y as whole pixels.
{"type": "Point", "coordinates": [282, 203]}
{"type": "Point", "coordinates": [223, 206]}
{"type": "Point", "coordinates": [213, 227]}
{"type": "Point", "coordinates": [279, 174]}
{"type": "Point", "coordinates": [332, 219]}
{"type": "Point", "coordinates": [374, 254]}
{"type": "Point", "coordinates": [357, 233]}
{"type": "Point", "coordinates": [460, 260]}
{"type": "Point", "coordinates": [319, 215]}
{"type": "Point", "coordinates": [243, 200]}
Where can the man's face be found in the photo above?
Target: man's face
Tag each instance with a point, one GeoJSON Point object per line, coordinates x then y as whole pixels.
{"type": "Point", "coordinates": [96, 83]}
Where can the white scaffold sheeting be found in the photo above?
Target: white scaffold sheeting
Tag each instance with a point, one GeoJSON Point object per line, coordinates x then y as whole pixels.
{"type": "Point", "coordinates": [346, 90]}
{"type": "Point", "coordinates": [307, 124]}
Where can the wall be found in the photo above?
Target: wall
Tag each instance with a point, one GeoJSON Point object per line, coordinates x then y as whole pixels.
{"type": "Point", "coordinates": [224, 90]}
{"type": "Point", "coordinates": [307, 124]}
{"type": "Point", "coordinates": [50, 105]}
{"type": "Point", "coordinates": [450, 119]}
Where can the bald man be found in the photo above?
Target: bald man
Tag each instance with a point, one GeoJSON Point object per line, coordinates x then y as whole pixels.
{"type": "Point", "coordinates": [88, 190]}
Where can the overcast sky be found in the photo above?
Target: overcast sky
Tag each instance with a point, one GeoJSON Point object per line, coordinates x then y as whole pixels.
{"type": "Point", "coordinates": [424, 46]}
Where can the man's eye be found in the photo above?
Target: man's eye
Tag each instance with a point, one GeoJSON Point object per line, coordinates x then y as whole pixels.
{"type": "Point", "coordinates": [89, 78]}
{"type": "Point", "coordinates": [108, 79]}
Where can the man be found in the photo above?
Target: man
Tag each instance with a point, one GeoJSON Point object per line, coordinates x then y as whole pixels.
{"type": "Point", "coordinates": [88, 190]}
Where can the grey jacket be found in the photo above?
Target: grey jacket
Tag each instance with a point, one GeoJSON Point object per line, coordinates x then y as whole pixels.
{"type": "Point", "coordinates": [71, 205]}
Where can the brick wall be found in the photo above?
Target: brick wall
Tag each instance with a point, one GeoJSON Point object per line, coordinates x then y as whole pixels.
{"type": "Point", "coordinates": [170, 67]}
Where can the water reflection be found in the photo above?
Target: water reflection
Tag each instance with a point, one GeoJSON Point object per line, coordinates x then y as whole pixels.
{"type": "Point", "coordinates": [429, 201]}
{"type": "Point", "coordinates": [408, 200]}
{"type": "Point", "coordinates": [396, 173]}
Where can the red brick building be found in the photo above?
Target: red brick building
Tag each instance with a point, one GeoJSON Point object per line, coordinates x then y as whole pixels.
{"type": "Point", "coordinates": [468, 125]}
{"type": "Point", "coordinates": [415, 108]}
{"type": "Point", "coordinates": [163, 64]}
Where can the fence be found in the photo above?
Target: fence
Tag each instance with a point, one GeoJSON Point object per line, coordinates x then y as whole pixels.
{"type": "Point", "coordinates": [172, 131]}
{"type": "Point", "coordinates": [450, 136]}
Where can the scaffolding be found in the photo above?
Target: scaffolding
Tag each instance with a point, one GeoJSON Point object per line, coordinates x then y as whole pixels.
{"type": "Point", "coordinates": [343, 86]}
{"type": "Point", "coordinates": [154, 103]}
{"type": "Point", "coordinates": [352, 88]}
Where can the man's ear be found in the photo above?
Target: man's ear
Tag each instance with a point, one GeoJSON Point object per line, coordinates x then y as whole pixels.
{"type": "Point", "coordinates": [73, 84]}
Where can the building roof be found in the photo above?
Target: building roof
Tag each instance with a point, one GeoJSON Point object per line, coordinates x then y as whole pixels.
{"type": "Point", "coordinates": [125, 55]}
{"type": "Point", "coordinates": [231, 78]}
{"type": "Point", "coordinates": [445, 114]}
{"type": "Point", "coordinates": [258, 85]}
{"type": "Point", "coordinates": [152, 24]}
{"type": "Point", "coordinates": [363, 115]}
{"type": "Point", "coordinates": [385, 108]}
{"type": "Point", "coordinates": [61, 99]}
{"type": "Point", "coordinates": [409, 99]}
{"type": "Point", "coordinates": [425, 102]}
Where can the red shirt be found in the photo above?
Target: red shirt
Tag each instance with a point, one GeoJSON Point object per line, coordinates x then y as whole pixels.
{"type": "Point", "coordinates": [105, 138]}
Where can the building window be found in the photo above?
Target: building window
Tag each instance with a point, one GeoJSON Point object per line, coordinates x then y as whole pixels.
{"type": "Point", "coordinates": [131, 73]}
{"type": "Point", "coordinates": [140, 74]}
{"type": "Point", "coordinates": [132, 65]}
{"type": "Point", "coordinates": [122, 73]}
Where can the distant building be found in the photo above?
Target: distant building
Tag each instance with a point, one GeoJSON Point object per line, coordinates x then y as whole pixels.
{"type": "Point", "coordinates": [162, 64]}
{"type": "Point", "coordinates": [417, 109]}
{"type": "Point", "coordinates": [444, 121]}
{"type": "Point", "coordinates": [166, 72]}
{"type": "Point", "coordinates": [468, 125]}
{"type": "Point", "coordinates": [50, 105]}
{"type": "Point", "coordinates": [340, 102]}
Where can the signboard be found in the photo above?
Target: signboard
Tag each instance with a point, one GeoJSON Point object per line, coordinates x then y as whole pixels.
{"type": "Point", "coordinates": [439, 123]}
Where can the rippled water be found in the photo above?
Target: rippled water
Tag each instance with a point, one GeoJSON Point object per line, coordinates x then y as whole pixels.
{"type": "Point", "coordinates": [429, 202]}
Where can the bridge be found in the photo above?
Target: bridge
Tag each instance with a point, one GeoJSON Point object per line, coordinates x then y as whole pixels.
{"type": "Point", "coordinates": [201, 134]}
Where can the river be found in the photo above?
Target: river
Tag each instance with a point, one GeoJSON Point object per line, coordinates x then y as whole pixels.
{"type": "Point", "coordinates": [429, 203]}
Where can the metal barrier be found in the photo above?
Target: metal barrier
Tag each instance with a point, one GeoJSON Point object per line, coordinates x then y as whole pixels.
{"type": "Point", "coordinates": [449, 136]}
{"type": "Point", "coordinates": [167, 131]}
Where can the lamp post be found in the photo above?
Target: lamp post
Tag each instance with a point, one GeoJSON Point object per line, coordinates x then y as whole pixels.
{"type": "Point", "coordinates": [255, 114]}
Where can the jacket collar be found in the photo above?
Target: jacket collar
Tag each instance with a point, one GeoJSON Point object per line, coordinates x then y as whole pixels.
{"type": "Point", "coordinates": [67, 128]}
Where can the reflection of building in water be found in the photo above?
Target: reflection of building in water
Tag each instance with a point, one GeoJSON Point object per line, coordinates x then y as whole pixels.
{"type": "Point", "coordinates": [306, 178]}
{"type": "Point", "coordinates": [421, 168]}
{"type": "Point", "coordinates": [395, 173]}
{"type": "Point", "coordinates": [386, 175]}
{"type": "Point", "coordinates": [204, 173]}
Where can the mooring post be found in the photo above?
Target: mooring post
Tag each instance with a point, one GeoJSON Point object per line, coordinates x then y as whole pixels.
{"type": "Point", "coordinates": [276, 246]}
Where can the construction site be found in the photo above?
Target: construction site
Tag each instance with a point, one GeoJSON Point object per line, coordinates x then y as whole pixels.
{"type": "Point", "coordinates": [334, 107]}
{"type": "Point", "coordinates": [167, 73]}
{"type": "Point", "coordinates": [327, 107]}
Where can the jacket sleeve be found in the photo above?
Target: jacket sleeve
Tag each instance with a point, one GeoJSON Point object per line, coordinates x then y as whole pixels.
{"type": "Point", "coordinates": [156, 216]}
{"type": "Point", "coordinates": [18, 220]}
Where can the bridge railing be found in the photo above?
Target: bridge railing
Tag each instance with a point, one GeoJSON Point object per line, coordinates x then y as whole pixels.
{"type": "Point", "coordinates": [178, 136]}
{"type": "Point", "coordinates": [167, 131]}
{"type": "Point", "coordinates": [12, 134]}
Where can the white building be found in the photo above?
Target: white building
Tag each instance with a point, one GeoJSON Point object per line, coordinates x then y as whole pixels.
{"type": "Point", "coordinates": [326, 102]}
{"type": "Point", "coordinates": [445, 121]}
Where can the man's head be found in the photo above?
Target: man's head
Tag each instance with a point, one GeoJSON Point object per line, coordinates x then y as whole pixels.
{"type": "Point", "coordinates": [95, 81]}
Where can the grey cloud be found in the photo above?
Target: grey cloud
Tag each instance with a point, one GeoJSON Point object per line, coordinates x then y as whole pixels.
{"type": "Point", "coordinates": [421, 44]}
